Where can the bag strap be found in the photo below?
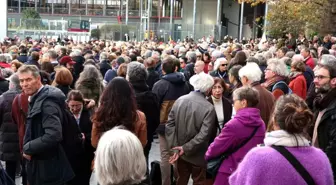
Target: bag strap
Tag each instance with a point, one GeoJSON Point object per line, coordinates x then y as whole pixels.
{"type": "Point", "coordinates": [296, 164]}
{"type": "Point", "coordinates": [20, 106]}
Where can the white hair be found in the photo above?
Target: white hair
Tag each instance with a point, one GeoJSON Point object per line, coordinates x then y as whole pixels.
{"type": "Point", "coordinates": [76, 53]}
{"type": "Point", "coordinates": [218, 62]}
{"type": "Point", "coordinates": [120, 158]}
{"type": "Point", "coordinates": [251, 71]}
{"type": "Point", "coordinates": [278, 66]}
{"type": "Point", "coordinates": [45, 55]}
{"type": "Point", "coordinates": [216, 54]}
{"type": "Point", "coordinates": [202, 82]}
{"type": "Point", "coordinates": [103, 56]}
{"type": "Point", "coordinates": [297, 58]}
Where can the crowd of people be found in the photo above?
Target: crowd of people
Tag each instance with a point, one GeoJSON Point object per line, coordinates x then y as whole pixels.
{"type": "Point", "coordinates": [261, 110]}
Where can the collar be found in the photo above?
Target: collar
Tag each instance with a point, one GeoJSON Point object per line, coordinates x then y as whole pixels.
{"type": "Point", "coordinates": [32, 96]}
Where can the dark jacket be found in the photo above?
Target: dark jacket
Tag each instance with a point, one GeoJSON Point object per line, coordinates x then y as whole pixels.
{"type": "Point", "coordinates": [224, 75]}
{"type": "Point", "coordinates": [9, 138]}
{"type": "Point", "coordinates": [227, 109]}
{"type": "Point", "coordinates": [168, 90]}
{"type": "Point", "coordinates": [78, 66]}
{"type": "Point", "coordinates": [152, 78]}
{"type": "Point", "coordinates": [149, 105]}
{"type": "Point", "coordinates": [189, 71]}
{"type": "Point", "coordinates": [104, 66]}
{"type": "Point", "coordinates": [64, 88]}
{"type": "Point", "coordinates": [42, 141]}
{"type": "Point", "coordinates": [309, 76]}
{"type": "Point", "coordinates": [110, 74]}
{"type": "Point", "coordinates": [33, 62]}
{"type": "Point", "coordinates": [266, 102]}
{"type": "Point", "coordinates": [158, 68]}
{"type": "Point", "coordinates": [4, 85]}
{"type": "Point", "coordinates": [22, 58]}
{"type": "Point", "coordinates": [19, 112]}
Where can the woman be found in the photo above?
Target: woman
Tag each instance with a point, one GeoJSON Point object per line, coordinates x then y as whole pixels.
{"type": "Point", "coordinates": [206, 59]}
{"type": "Point", "coordinates": [118, 107]}
{"type": "Point", "coordinates": [220, 70]}
{"type": "Point", "coordinates": [63, 80]}
{"type": "Point", "coordinates": [222, 105]}
{"type": "Point", "coordinates": [81, 164]}
{"type": "Point", "coordinates": [47, 67]}
{"type": "Point", "coordinates": [265, 165]}
{"type": "Point", "coordinates": [298, 82]}
{"type": "Point", "coordinates": [15, 65]}
{"type": "Point", "coordinates": [276, 76]}
{"type": "Point", "coordinates": [234, 79]}
{"type": "Point", "coordinates": [122, 70]}
{"type": "Point", "coordinates": [120, 159]}
{"type": "Point", "coordinates": [90, 83]}
{"type": "Point", "coordinates": [239, 59]}
{"type": "Point", "coordinates": [247, 126]}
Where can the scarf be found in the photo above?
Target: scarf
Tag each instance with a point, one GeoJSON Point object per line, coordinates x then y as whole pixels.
{"type": "Point", "coordinates": [270, 82]}
{"type": "Point", "coordinates": [283, 138]}
{"type": "Point", "coordinates": [294, 74]}
{"type": "Point", "coordinates": [322, 102]}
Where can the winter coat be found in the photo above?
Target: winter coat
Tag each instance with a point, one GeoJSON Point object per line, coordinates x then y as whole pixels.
{"type": "Point", "coordinates": [152, 78]}
{"type": "Point", "coordinates": [266, 102]}
{"type": "Point", "coordinates": [22, 58]}
{"type": "Point", "coordinates": [9, 139]}
{"type": "Point", "coordinates": [192, 122]}
{"type": "Point", "coordinates": [299, 86]}
{"type": "Point", "coordinates": [4, 85]}
{"type": "Point", "coordinates": [227, 108]}
{"type": "Point", "coordinates": [64, 88]}
{"type": "Point", "coordinates": [265, 165]}
{"type": "Point", "coordinates": [189, 71]}
{"type": "Point", "coordinates": [234, 133]}
{"type": "Point", "coordinates": [49, 164]}
{"type": "Point", "coordinates": [33, 62]}
{"type": "Point", "coordinates": [78, 66]}
{"type": "Point", "coordinates": [224, 76]}
{"type": "Point", "coordinates": [168, 89]}
{"type": "Point", "coordinates": [309, 76]}
{"type": "Point", "coordinates": [104, 66]}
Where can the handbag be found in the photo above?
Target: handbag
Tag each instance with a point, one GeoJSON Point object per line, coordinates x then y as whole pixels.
{"type": "Point", "coordinates": [296, 164]}
{"type": "Point", "coordinates": [4, 178]}
{"type": "Point", "coordinates": [214, 164]}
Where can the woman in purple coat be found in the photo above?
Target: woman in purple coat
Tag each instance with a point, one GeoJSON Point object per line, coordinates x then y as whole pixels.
{"type": "Point", "coordinates": [266, 166]}
{"type": "Point", "coordinates": [236, 131]}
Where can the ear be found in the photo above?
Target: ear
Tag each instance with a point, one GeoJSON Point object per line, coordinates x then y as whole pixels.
{"type": "Point", "coordinates": [333, 82]}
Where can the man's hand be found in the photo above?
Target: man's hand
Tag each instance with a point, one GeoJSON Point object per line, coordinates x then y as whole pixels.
{"type": "Point", "coordinates": [28, 157]}
{"type": "Point", "coordinates": [83, 136]}
{"type": "Point", "coordinates": [176, 155]}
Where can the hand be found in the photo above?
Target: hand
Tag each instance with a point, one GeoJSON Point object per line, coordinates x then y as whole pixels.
{"type": "Point", "coordinates": [83, 136]}
{"type": "Point", "coordinates": [174, 158]}
{"type": "Point", "coordinates": [28, 157]}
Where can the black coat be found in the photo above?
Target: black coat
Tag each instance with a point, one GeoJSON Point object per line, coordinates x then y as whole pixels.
{"type": "Point", "coordinates": [22, 58]}
{"type": "Point", "coordinates": [9, 138]}
{"type": "Point", "coordinates": [152, 78]}
{"type": "Point", "coordinates": [4, 85]}
{"type": "Point", "coordinates": [189, 71]}
{"type": "Point", "coordinates": [217, 74]}
{"type": "Point", "coordinates": [78, 67]}
{"type": "Point", "coordinates": [64, 88]}
{"type": "Point", "coordinates": [104, 66]}
{"type": "Point", "coordinates": [42, 141]}
{"type": "Point", "coordinates": [227, 109]}
{"type": "Point", "coordinates": [33, 62]}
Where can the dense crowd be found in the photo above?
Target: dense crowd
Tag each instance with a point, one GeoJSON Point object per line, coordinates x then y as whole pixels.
{"type": "Point", "coordinates": [255, 112]}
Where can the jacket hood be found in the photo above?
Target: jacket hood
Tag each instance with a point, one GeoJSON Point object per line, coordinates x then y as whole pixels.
{"type": "Point", "coordinates": [175, 78]}
{"type": "Point", "coordinates": [249, 117]}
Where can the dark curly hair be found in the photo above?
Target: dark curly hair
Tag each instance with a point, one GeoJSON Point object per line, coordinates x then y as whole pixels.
{"type": "Point", "coordinates": [117, 106]}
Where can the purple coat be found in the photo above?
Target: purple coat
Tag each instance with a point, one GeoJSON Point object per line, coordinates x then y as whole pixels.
{"type": "Point", "coordinates": [235, 132]}
{"type": "Point", "coordinates": [264, 165]}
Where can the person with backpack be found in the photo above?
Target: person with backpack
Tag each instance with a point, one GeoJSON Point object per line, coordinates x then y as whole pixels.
{"type": "Point", "coordinates": [276, 75]}
{"type": "Point", "coordinates": [47, 162]}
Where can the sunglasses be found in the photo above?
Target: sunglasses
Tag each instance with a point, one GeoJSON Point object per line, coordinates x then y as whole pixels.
{"type": "Point", "coordinates": [224, 65]}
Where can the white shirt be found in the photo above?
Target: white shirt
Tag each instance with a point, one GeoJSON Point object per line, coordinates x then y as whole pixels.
{"type": "Point", "coordinates": [218, 104]}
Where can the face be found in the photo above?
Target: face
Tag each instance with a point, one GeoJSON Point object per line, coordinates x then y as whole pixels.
{"type": "Point", "coordinates": [182, 63]}
{"type": "Point", "coordinates": [223, 66]}
{"type": "Point", "coordinates": [75, 106]}
{"type": "Point", "coordinates": [280, 54]}
{"type": "Point", "coordinates": [13, 67]}
{"type": "Point", "coordinates": [29, 84]}
{"type": "Point", "coordinates": [304, 53]}
{"type": "Point", "coordinates": [239, 104]}
{"type": "Point", "coordinates": [322, 81]}
{"type": "Point", "coordinates": [205, 58]}
{"type": "Point", "coordinates": [210, 67]}
{"type": "Point", "coordinates": [199, 67]}
{"type": "Point", "coordinates": [217, 90]}
{"type": "Point", "coordinates": [70, 67]}
{"type": "Point", "coordinates": [269, 73]}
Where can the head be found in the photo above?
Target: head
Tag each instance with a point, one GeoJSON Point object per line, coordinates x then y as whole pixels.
{"type": "Point", "coordinates": [103, 56]}
{"type": "Point", "coordinates": [122, 70]}
{"type": "Point", "coordinates": [136, 72]}
{"type": "Point", "coordinates": [183, 62]}
{"type": "Point", "coordinates": [75, 101]}
{"type": "Point", "coordinates": [15, 65]}
{"type": "Point", "coordinates": [199, 67]}
{"type": "Point", "coordinates": [276, 67]}
{"type": "Point", "coordinates": [215, 55]}
{"type": "Point", "coordinates": [156, 56]}
{"type": "Point", "coordinates": [206, 57]}
{"type": "Point", "coordinates": [245, 97]}
{"type": "Point", "coordinates": [221, 65]}
{"type": "Point", "coordinates": [298, 66]}
{"type": "Point", "coordinates": [249, 74]}
{"type": "Point", "coordinates": [292, 115]}
{"type": "Point", "coordinates": [63, 77]}
{"type": "Point", "coordinates": [150, 63]}
{"type": "Point", "coordinates": [67, 62]}
{"type": "Point", "coordinates": [191, 56]}
{"type": "Point", "coordinates": [120, 158]}
{"type": "Point", "coordinates": [35, 55]}
{"type": "Point", "coordinates": [325, 79]}
{"type": "Point", "coordinates": [233, 74]}
{"type": "Point", "coordinates": [282, 52]}
{"type": "Point", "coordinates": [305, 52]}
{"type": "Point", "coordinates": [218, 88]}
{"type": "Point", "coordinates": [30, 79]}
{"type": "Point", "coordinates": [47, 67]}
{"type": "Point", "coordinates": [202, 82]}
{"type": "Point", "coordinates": [326, 60]}
{"type": "Point", "coordinates": [262, 60]}
{"type": "Point", "coordinates": [168, 65]}
{"type": "Point", "coordinates": [52, 55]}
{"type": "Point", "coordinates": [252, 59]}
{"type": "Point", "coordinates": [14, 82]}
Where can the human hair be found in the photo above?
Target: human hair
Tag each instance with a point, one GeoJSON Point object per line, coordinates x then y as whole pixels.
{"type": "Point", "coordinates": [292, 114]}
{"type": "Point", "coordinates": [103, 56]}
{"type": "Point", "coordinates": [63, 50]}
{"type": "Point", "coordinates": [117, 106]}
{"type": "Point", "coordinates": [16, 63]}
{"type": "Point", "coordinates": [290, 54]}
{"type": "Point", "coordinates": [306, 49]}
{"type": "Point", "coordinates": [234, 72]}
{"type": "Point", "coordinates": [278, 66]}
{"type": "Point", "coordinates": [122, 70]}
{"type": "Point", "coordinates": [299, 66]}
{"type": "Point", "coordinates": [221, 82]}
{"type": "Point", "coordinates": [29, 68]}
{"type": "Point", "coordinates": [45, 78]}
{"type": "Point", "coordinates": [136, 72]}
{"type": "Point", "coordinates": [150, 62]}
{"type": "Point", "coordinates": [251, 71]}
{"type": "Point", "coordinates": [14, 81]}
{"type": "Point", "coordinates": [63, 77]}
{"type": "Point", "coordinates": [90, 62]}
{"type": "Point", "coordinates": [47, 67]}
{"type": "Point", "coordinates": [52, 54]}
{"type": "Point", "coordinates": [328, 60]}
{"type": "Point", "coordinates": [168, 65]}
{"type": "Point", "coordinates": [284, 49]}
{"type": "Point", "coordinates": [35, 55]}
{"type": "Point", "coordinates": [216, 54]}
{"type": "Point", "coordinates": [202, 82]}
{"type": "Point", "coordinates": [268, 55]}
{"type": "Point", "coordinates": [286, 60]}
{"type": "Point", "coordinates": [218, 62]}
{"type": "Point", "coordinates": [262, 59]}
{"type": "Point", "coordinates": [252, 59]}
{"type": "Point", "coordinates": [331, 70]}
{"type": "Point", "coordinates": [247, 93]}
{"type": "Point", "coordinates": [120, 158]}
{"type": "Point", "coordinates": [75, 95]}
{"type": "Point", "coordinates": [191, 56]}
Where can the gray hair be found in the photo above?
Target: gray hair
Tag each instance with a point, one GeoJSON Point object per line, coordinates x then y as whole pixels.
{"type": "Point", "coordinates": [148, 54]}
{"type": "Point", "coordinates": [202, 82]}
{"type": "Point", "coordinates": [218, 62]}
{"type": "Point", "coordinates": [191, 56]}
{"type": "Point", "coordinates": [297, 58]}
{"type": "Point", "coordinates": [14, 81]}
{"type": "Point", "coordinates": [136, 72]}
{"type": "Point", "coordinates": [7, 72]}
{"type": "Point", "coordinates": [251, 71]}
{"type": "Point", "coordinates": [216, 54]}
{"type": "Point", "coordinates": [328, 60]}
{"type": "Point", "coordinates": [155, 55]}
{"type": "Point", "coordinates": [252, 59]}
{"type": "Point", "coordinates": [103, 56]}
{"type": "Point", "coordinates": [247, 93]}
{"type": "Point", "coordinates": [120, 158]}
{"type": "Point", "coordinates": [278, 66]}
{"type": "Point", "coordinates": [5, 58]}
{"type": "Point", "coordinates": [29, 68]}
{"type": "Point", "coordinates": [290, 54]}
{"type": "Point", "coordinates": [261, 58]}
{"type": "Point", "coordinates": [76, 53]}
{"type": "Point", "coordinates": [268, 55]}
{"type": "Point", "coordinates": [287, 60]}
{"type": "Point", "coordinates": [52, 54]}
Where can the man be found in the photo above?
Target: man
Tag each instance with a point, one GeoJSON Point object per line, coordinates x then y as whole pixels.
{"type": "Point", "coordinates": [47, 164]}
{"type": "Point", "coordinates": [153, 76]}
{"type": "Point", "coordinates": [189, 69]}
{"type": "Point", "coordinates": [250, 75]}
{"type": "Point", "coordinates": [157, 60]}
{"type": "Point", "coordinates": [191, 124]}
{"type": "Point", "coordinates": [199, 67]}
{"type": "Point", "coordinates": [282, 52]}
{"type": "Point", "coordinates": [53, 57]}
{"type": "Point", "coordinates": [67, 62]}
{"type": "Point", "coordinates": [23, 58]}
{"type": "Point", "coordinates": [76, 56]}
{"type": "Point", "coordinates": [33, 59]}
{"type": "Point", "coordinates": [104, 64]}
{"type": "Point", "coordinates": [308, 60]}
{"type": "Point", "coordinates": [168, 89]}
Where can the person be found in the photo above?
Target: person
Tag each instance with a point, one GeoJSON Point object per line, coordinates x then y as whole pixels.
{"type": "Point", "coordinates": [9, 143]}
{"type": "Point", "coordinates": [81, 163]}
{"type": "Point", "coordinates": [63, 80]}
{"type": "Point", "coordinates": [47, 161]}
{"type": "Point", "coordinates": [265, 165]}
{"type": "Point", "coordinates": [120, 159]}
{"type": "Point", "coordinates": [183, 63]}
{"type": "Point", "coordinates": [90, 83]}
{"type": "Point", "coordinates": [153, 76]}
{"type": "Point", "coordinates": [199, 67]}
{"type": "Point", "coordinates": [189, 138]}
{"type": "Point", "coordinates": [33, 59]}
{"type": "Point", "coordinates": [308, 60]}
{"type": "Point", "coordinates": [276, 76]}
{"type": "Point", "coordinates": [23, 58]}
{"type": "Point", "coordinates": [67, 62]}
{"type": "Point", "coordinates": [220, 69]}
{"type": "Point", "coordinates": [247, 126]}
{"type": "Point", "coordinates": [298, 82]}
{"type": "Point", "coordinates": [291, 42]}
{"type": "Point", "coordinates": [118, 107]}
{"type": "Point", "coordinates": [53, 57]}
{"type": "Point", "coordinates": [15, 65]}
{"type": "Point", "coordinates": [234, 80]}
{"type": "Point", "coordinates": [112, 73]}
{"type": "Point", "coordinates": [308, 72]}
{"type": "Point", "coordinates": [207, 60]}
{"type": "Point", "coordinates": [238, 59]}
{"type": "Point", "coordinates": [324, 108]}
{"type": "Point", "coordinates": [282, 52]}
{"type": "Point", "coordinates": [172, 86]}
{"type": "Point", "coordinates": [250, 75]}
{"type": "Point", "coordinates": [4, 84]}
{"type": "Point", "coordinates": [104, 64]}
{"type": "Point", "coordinates": [189, 70]}
{"type": "Point", "coordinates": [76, 56]}
{"type": "Point", "coordinates": [122, 69]}
{"type": "Point", "coordinates": [223, 107]}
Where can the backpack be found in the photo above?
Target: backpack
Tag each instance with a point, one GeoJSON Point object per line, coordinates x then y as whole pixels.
{"type": "Point", "coordinates": [283, 86]}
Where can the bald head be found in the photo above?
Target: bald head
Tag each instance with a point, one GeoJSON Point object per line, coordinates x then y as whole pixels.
{"type": "Point", "coordinates": [199, 66]}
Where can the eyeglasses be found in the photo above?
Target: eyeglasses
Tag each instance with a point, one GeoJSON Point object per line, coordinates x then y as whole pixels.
{"type": "Point", "coordinates": [224, 65]}
{"type": "Point", "coordinates": [320, 77]}
{"type": "Point", "coordinates": [267, 69]}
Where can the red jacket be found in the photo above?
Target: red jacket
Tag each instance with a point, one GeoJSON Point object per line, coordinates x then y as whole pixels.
{"type": "Point", "coordinates": [310, 62]}
{"type": "Point", "coordinates": [299, 86]}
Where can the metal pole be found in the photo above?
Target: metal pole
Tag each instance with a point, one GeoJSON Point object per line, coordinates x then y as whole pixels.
{"type": "Point", "coordinates": [141, 25]}
{"type": "Point", "coordinates": [19, 6]}
{"type": "Point", "coordinates": [69, 7]}
{"type": "Point", "coordinates": [194, 20]}
{"type": "Point", "coordinates": [35, 5]}
{"type": "Point", "coordinates": [149, 15]}
{"type": "Point", "coordinates": [126, 12]}
{"type": "Point", "coordinates": [265, 20]}
{"type": "Point", "coordinates": [171, 18]}
{"type": "Point", "coordinates": [219, 19]}
{"type": "Point", "coordinates": [52, 7]}
{"type": "Point", "coordinates": [241, 22]}
{"type": "Point", "coordinates": [86, 8]}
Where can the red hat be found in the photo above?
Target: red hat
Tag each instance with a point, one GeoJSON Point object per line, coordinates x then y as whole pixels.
{"type": "Point", "coordinates": [67, 60]}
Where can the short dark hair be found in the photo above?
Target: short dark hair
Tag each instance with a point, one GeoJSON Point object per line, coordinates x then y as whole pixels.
{"type": "Point", "coordinates": [75, 95]}
{"type": "Point", "coordinates": [221, 82]}
{"type": "Point", "coordinates": [284, 49]}
{"type": "Point", "coordinates": [298, 66]}
{"type": "Point", "coordinates": [332, 70]}
{"type": "Point", "coordinates": [35, 55]}
{"type": "Point", "coordinates": [168, 65]}
{"type": "Point", "coordinates": [234, 71]}
{"type": "Point", "coordinates": [247, 93]}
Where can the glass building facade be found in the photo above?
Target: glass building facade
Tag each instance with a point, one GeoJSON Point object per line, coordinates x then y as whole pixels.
{"type": "Point", "coordinates": [160, 8]}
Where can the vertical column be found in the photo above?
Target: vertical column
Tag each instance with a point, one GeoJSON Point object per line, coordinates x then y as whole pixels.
{"type": "Point", "coordinates": [241, 22]}
{"type": "Point", "coordinates": [126, 12]}
{"type": "Point", "coordinates": [219, 17]}
{"type": "Point", "coordinates": [194, 20]}
{"type": "Point", "coordinates": [104, 8]}
{"type": "Point", "coordinates": [35, 5]}
{"type": "Point", "coordinates": [3, 18]}
{"type": "Point", "coordinates": [69, 7]}
{"type": "Point", "coordinates": [86, 7]}
{"type": "Point", "coordinates": [52, 7]}
{"type": "Point", "coordinates": [19, 6]}
{"type": "Point", "coordinates": [141, 20]}
{"type": "Point", "coordinates": [254, 23]}
{"type": "Point", "coordinates": [171, 18]}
